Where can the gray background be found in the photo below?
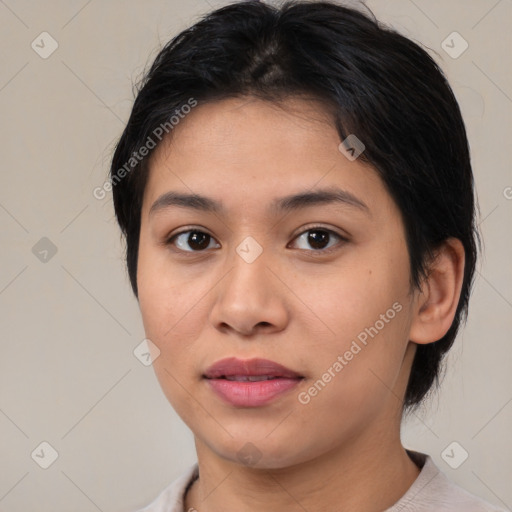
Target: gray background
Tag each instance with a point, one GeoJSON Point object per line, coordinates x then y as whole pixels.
{"type": "Point", "coordinates": [68, 374]}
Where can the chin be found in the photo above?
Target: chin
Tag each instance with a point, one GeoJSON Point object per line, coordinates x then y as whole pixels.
{"type": "Point", "coordinates": [261, 453]}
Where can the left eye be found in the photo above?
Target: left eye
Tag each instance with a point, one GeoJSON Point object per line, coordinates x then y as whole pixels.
{"type": "Point", "coordinates": [318, 238]}
{"type": "Point", "coordinates": [197, 240]}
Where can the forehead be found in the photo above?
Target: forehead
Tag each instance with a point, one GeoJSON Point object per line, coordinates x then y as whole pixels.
{"type": "Point", "coordinates": [246, 152]}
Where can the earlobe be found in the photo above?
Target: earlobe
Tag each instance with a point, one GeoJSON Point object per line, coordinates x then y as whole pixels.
{"type": "Point", "coordinates": [436, 303]}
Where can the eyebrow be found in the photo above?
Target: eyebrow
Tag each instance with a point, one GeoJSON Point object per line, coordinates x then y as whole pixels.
{"type": "Point", "coordinates": [332, 195]}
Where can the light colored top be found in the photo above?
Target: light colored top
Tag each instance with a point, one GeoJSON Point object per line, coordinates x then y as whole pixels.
{"type": "Point", "coordinates": [432, 491]}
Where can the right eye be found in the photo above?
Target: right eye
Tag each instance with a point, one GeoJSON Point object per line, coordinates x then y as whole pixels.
{"type": "Point", "coordinates": [195, 240]}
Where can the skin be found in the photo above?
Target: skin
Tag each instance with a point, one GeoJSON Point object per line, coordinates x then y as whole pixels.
{"type": "Point", "coordinates": [296, 304]}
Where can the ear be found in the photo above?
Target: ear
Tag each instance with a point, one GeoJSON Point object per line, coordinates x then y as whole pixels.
{"type": "Point", "coordinates": [436, 302]}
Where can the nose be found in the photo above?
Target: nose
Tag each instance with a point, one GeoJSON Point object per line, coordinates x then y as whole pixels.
{"type": "Point", "coordinates": [250, 299]}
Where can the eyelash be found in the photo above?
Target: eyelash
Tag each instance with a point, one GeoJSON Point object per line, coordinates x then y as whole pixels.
{"type": "Point", "coordinates": [170, 240]}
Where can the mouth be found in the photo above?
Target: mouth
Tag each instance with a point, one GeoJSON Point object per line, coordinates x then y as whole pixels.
{"type": "Point", "coordinates": [250, 378]}
{"type": "Point", "coordinates": [233, 368]}
{"type": "Point", "coordinates": [251, 382]}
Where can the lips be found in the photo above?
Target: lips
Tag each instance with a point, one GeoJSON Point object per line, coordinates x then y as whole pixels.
{"type": "Point", "coordinates": [251, 382]}
{"type": "Point", "coordinates": [237, 369]}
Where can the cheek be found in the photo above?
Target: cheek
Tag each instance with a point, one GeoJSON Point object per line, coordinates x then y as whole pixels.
{"type": "Point", "coordinates": [170, 311]}
{"type": "Point", "coordinates": [172, 317]}
{"type": "Point", "coordinates": [355, 379]}
{"type": "Point", "coordinates": [164, 297]}
{"type": "Point", "coordinates": [365, 320]}
{"type": "Point", "coordinates": [348, 299]}
{"type": "Point", "coordinates": [174, 306]}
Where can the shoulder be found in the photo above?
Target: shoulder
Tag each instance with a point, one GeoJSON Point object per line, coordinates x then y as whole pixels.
{"type": "Point", "coordinates": [171, 498]}
{"type": "Point", "coordinates": [434, 491]}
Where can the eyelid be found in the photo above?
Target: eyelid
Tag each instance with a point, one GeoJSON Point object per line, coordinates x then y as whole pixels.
{"type": "Point", "coordinates": [311, 227]}
{"type": "Point", "coordinates": [186, 229]}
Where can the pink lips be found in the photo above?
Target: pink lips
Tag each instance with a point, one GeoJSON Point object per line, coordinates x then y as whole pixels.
{"type": "Point", "coordinates": [251, 382]}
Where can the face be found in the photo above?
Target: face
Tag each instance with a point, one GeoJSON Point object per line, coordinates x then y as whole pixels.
{"type": "Point", "coordinates": [316, 283]}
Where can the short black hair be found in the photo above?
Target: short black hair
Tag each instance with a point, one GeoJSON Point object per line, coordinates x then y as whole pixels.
{"type": "Point", "coordinates": [376, 84]}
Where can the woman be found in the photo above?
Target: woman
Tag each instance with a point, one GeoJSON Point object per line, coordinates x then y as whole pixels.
{"type": "Point", "coordinates": [296, 193]}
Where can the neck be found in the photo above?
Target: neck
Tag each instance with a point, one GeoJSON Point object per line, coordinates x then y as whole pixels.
{"type": "Point", "coordinates": [369, 476]}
